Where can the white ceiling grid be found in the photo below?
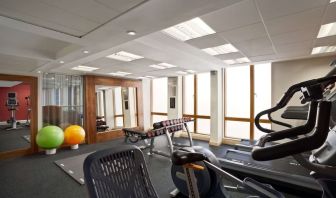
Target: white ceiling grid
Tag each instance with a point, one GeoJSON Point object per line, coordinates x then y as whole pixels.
{"type": "Point", "coordinates": [38, 34]}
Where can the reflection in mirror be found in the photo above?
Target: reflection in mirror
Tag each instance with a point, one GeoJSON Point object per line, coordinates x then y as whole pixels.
{"type": "Point", "coordinates": [14, 115]}
{"type": "Point", "coordinates": [115, 107]}
{"type": "Point", "coordinates": [62, 103]}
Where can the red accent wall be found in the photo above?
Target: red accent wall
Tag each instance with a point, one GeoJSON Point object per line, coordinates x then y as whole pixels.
{"type": "Point", "coordinates": [22, 91]}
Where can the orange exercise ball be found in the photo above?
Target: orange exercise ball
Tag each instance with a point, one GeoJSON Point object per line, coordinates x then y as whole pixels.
{"type": "Point", "coordinates": [74, 134]}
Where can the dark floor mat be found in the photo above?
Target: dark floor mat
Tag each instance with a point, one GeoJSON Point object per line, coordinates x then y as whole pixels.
{"type": "Point", "coordinates": [73, 166]}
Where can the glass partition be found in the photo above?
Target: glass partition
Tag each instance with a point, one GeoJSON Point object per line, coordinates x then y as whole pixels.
{"type": "Point", "coordinates": [62, 103]}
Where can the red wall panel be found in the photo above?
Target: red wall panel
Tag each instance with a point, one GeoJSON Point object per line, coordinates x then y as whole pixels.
{"type": "Point", "coordinates": [22, 91]}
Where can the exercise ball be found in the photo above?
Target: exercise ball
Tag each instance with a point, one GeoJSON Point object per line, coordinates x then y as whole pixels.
{"type": "Point", "coordinates": [74, 135]}
{"type": "Point", "coordinates": [49, 138]}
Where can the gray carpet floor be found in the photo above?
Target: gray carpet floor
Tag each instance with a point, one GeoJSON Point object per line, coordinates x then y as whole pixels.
{"type": "Point", "coordinates": [13, 139]}
{"type": "Point", "coordinates": [37, 176]}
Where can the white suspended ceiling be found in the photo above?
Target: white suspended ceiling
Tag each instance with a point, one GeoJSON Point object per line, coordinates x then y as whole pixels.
{"type": "Point", "coordinates": [36, 35]}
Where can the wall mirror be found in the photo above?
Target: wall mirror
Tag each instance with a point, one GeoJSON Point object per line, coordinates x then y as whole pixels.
{"type": "Point", "coordinates": [15, 115]}
{"type": "Point", "coordinates": [116, 108]}
{"type": "Point", "coordinates": [18, 113]}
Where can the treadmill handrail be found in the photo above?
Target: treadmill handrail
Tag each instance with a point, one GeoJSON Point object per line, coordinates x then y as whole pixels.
{"type": "Point", "coordinates": [284, 100]}
{"type": "Point", "coordinates": [293, 132]}
{"type": "Point", "coordinates": [299, 145]}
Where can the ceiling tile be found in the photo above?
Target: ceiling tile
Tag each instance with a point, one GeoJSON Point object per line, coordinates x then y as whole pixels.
{"type": "Point", "coordinates": [330, 15]}
{"type": "Point", "coordinates": [267, 57]}
{"type": "Point", "coordinates": [15, 63]}
{"type": "Point", "coordinates": [294, 49]}
{"type": "Point", "coordinates": [295, 36]}
{"type": "Point", "coordinates": [248, 32]}
{"type": "Point", "coordinates": [274, 8]}
{"type": "Point", "coordinates": [211, 40]}
{"type": "Point", "coordinates": [233, 55]}
{"type": "Point", "coordinates": [255, 47]}
{"type": "Point", "coordinates": [325, 41]}
{"type": "Point", "coordinates": [304, 20]}
{"type": "Point", "coordinates": [240, 14]}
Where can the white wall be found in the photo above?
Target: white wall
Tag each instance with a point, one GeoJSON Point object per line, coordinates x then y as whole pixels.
{"type": "Point", "coordinates": [287, 73]}
{"type": "Point", "coordinates": [146, 103]}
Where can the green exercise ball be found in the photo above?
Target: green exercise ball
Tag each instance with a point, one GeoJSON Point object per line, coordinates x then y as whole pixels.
{"type": "Point", "coordinates": [50, 137]}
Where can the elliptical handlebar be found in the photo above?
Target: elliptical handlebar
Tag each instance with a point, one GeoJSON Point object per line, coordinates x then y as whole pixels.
{"type": "Point", "coordinates": [299, 145]}
{"type": "Point", "coordinates": [323, 82]}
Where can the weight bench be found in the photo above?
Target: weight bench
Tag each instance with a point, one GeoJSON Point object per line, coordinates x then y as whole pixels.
{"type": "Point", "coordinates": [166, 127]}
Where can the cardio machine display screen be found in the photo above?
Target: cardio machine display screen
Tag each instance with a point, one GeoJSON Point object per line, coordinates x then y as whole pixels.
{"type": "Point", "coordinates": [11, 95]}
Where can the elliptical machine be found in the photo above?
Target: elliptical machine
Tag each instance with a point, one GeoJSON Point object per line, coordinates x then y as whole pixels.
{"type": "Point", "coordinates": [12, 104]}
{"type": "Point", "coordinates": [196, 173]}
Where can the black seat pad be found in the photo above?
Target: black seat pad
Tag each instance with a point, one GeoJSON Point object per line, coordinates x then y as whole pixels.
{"type": "Point", "coordinates": [181, 157]}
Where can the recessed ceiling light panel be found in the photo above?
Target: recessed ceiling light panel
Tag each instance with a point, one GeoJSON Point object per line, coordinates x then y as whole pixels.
{"type": "Point", "coordinates": [157, 67]}
{"type": "Point", "coordinates": [222, 49]}
{"type": "Point", "coordinates": [323, 49]}
{"type": "Point", "coordinates": [191, 29]}
{"type": "Point", "coordinates": [190, 71]}
{"type": "Point", "coordinates": [167, 65]}
{"type": "Point", "coordinates": [327, 30]}
{"type": "Point", "coordinates": [236, 61]}
{"type": "Point", "coordinates": [84, 68]}
{"type": "Point", "coordinates": [124, 56]}
{"type": "Point", "coordinates": [120, 73]}
{"type": "Point", "coordinates": [182, 72]}
{"type": "Point", "coordinates": [332, 1]}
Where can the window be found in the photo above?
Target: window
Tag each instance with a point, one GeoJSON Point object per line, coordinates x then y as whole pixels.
{"type": "Point", "coordinates": [159, 99]}
{"type": "Point", "coordinates": [247, 92]}
{"type": "Point", "coordinates": [201, 96]}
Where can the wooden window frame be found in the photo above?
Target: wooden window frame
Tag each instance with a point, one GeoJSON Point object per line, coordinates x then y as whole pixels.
{"type": "Point", "coordinates": [240, 119]}
{"type": "Point", "coordinates": [195, 116]}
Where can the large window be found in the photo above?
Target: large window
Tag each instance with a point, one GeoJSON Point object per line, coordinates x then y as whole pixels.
{"type": "Point", "coordinates": [196, 90]}
{"type": "Point", "coordinates": [159, 99]}
{"type": "Point", "coordinates": [247, 92]}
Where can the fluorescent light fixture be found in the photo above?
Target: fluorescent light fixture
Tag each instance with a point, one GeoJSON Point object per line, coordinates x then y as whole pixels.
{"type": "Point", "coordinates": [163, 66]}
{"type": "Point", "coordinates": [84, 68]}
{"type": "Point", "coordinates": [167, 65]}
{"type": "Point", "coordinates": [124, 56]}
{"type": "Point", "coordinates": [332, 1]}
{"type": "Point", "coordinates": [85, 52]}
{"type": "Point", "coordinates": [157, 67]}
{"type": "Point", "coordinates": [243, 60]}
{"type": "Point", "coordinates": [222, 49]}
{"type": "Point", "coordinates": [236, 61]}
{"type": "Point", "coordinates": [39, 72]}
{"type": "Point", "coordinates": [149, 77]}
{"type": "Point", "coordinates": [141, 77]}
{"type": "Point", "coordinates": [327, 30]}
{"type": "Point", "coordinates": [120, 73]}
{"type": "Point", "coordinates": [191, 29]}
{"type": "Point", "coordinates": [190, 71]}
{"type": "Point", "coordinates": [182, 72]}
{"type": "Point", "coordinates": [61, 62]}
{"type": "Point", "coordinates": [229, 62]}
{"type": "Point", "coordinates": [323, 49]}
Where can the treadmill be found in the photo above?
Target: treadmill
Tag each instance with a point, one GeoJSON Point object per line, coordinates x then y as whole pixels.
{"type": "Point", "coordinates": [285, 170]}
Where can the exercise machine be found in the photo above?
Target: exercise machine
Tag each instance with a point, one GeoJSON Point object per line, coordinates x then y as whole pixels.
{"type": "Point", "coordinates": [196, 172]}
{"type": "Point", "coordinates": [166, 128]}
{"type": "Point", "coordinates": [12, 105]}
{"type": "Point", "coordinates": [285, 171]}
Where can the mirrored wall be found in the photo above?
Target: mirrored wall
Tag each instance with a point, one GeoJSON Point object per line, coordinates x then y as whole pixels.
{"type": "Point", "coordinates": [115, 107]}
{"type": "Point", "coordinates": [15, 114]}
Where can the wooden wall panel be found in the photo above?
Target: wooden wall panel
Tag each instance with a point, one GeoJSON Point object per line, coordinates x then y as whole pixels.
{"type": "Point", "coordinates": [90, 105]}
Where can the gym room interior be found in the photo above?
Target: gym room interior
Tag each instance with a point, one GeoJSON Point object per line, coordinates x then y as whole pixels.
{"type": "Point", "coordinates": [167, 98]}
